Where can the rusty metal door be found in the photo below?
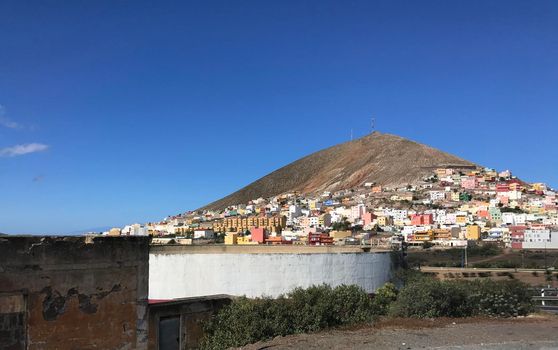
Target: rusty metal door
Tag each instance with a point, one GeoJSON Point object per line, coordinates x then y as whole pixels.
{"type": "Point", "coordinates": [169, 333]}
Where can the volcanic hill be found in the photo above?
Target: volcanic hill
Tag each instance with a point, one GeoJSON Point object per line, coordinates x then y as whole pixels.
{"type": "Point", "coordinates": [385, 159]}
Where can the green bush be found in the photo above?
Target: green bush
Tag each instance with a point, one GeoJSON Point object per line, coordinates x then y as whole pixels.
{"type": "Point", "coordinates": [351, 305]}
{"type": "Point", "coordinates": [313, 307]}
{"type": "Point", "coordinates": [426, 298]}
{"type": "Point", "coordinates": [503, 264]}
{"type": "Point", "coordinates": [500, 298]}
{"type": "Point", "coordinates": [247, 321]}
{"type": "Point", "coordinates": [383, 299]}
{"type": "Point", "coordinates": [429, 297]}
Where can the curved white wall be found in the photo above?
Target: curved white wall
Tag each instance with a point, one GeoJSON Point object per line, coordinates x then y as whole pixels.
{"type": "Point", "coordinates": [180, 275]}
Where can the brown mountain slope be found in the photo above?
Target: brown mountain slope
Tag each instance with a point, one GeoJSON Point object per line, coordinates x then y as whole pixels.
{"type": "Point", "coordinates": [382, 158]}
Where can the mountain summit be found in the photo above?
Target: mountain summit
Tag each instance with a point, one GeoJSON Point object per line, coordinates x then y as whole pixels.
{"type": "Point", "coordinates": [384, 159]}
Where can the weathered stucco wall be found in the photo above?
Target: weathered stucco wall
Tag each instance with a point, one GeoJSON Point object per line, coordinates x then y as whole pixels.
{"type": "Point", "coordinates": [176, 274]}
{"type": "Point", "coordinates": [75, 292]}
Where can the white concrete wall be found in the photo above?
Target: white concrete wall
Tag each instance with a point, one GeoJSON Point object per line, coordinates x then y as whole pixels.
{"type": "Point", "coordinates": [180, 275]}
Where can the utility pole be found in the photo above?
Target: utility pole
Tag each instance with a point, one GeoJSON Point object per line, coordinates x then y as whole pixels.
{"type": "Point", "coordinates": [545, 265]}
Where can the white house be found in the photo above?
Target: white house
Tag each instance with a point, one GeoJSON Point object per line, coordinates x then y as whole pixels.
{"type": "Point", "coordinates": [540, 238]}
{"type": "Point", "coordinates": [204, 234]}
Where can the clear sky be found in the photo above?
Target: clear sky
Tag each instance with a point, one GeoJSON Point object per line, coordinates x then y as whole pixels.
{"type": "Point", "coordinates": [116, 112]}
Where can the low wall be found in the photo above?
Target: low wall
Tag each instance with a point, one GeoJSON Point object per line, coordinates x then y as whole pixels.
{"type": "Point", "coordinates": [73, 292]}
{"type": "Point", "coordinates": [179, 273]}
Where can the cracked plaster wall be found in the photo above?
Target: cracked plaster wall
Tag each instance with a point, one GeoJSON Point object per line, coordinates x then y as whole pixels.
{"type": "Point", "coordinates": [80, 293]}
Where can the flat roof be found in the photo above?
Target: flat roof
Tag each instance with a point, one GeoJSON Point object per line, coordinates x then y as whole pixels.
{"type": "Point", "coordinates": [259, 249]}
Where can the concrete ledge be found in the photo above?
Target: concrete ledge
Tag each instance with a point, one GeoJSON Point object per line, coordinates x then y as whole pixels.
{"type": "Point", "coordinates": [258, 249]}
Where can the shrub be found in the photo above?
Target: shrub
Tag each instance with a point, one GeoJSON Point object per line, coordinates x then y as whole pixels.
{"type": "Point", "coordinates": [500, 298]}
{"type": "Point", "coordinates": [427, 245]}
{"type": "Point", "coordinates": [312, 305]}
{"type": "Point", "coordinates": [351, 305]}
{"type": "Point", "coordinates": [383, 299]}
{"type": "Point", "coordinates": [426, 298]}
{"type": "Point", "coordinates": [247, 321]}
{"type": "Point", "coordinates": [236, 324]}
{"type": "Point", "coordinates": [506, 264]}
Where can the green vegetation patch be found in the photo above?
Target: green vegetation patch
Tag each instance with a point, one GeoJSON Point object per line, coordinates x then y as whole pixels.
{"type": "Point", "coordinates": [247, 320]}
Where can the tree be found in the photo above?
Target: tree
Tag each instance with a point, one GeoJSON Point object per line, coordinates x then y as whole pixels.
{"type": "Point", "coordinates": [220, 238]}
{"type": "Point", "coordinates": [343, 225]}
{"type": "Point", "coordinates": [427, 244]}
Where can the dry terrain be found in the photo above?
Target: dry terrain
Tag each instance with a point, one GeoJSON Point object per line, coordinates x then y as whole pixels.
{"type": "Point", "coordinates": [534, 332]}
{"type": "Point", "coordinates": [484, 258]}
{"type": "Point", "coordinates": [381, 158]}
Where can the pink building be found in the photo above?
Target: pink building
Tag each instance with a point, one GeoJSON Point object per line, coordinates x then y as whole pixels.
{"type": "Point", "coordinates": [469, 183]}
{"type": "Point", "coordinates": [517, 234]}
{"type": "Point", "coordinates": [483, 214]}
{"type": "Point", "coordinates": [367, 218]}
{"type": "Point", "coordinates": [258, 234]}
{"type": "Point", "coordinates": [502, 187]}
{"type": "Point", "coordinates": [422, 219]}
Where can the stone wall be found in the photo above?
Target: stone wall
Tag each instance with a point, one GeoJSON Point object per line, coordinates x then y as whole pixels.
{"type": "Point", "coordinates": [73, 292]}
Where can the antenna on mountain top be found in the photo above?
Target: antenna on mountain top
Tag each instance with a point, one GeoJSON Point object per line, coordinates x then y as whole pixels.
{"type": "Point", "coordinates": [373, 125]}
{"type": "Point", "coordinates": [351, 134]}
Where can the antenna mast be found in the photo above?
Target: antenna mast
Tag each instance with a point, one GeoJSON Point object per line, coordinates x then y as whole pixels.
{"type": "Point", "coordinates": [373, 124]}
{"type": "Point", "coordinates": [351, 134]}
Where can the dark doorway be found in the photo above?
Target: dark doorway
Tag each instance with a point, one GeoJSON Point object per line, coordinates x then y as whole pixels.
{"type": "Point", "coordinates": [169, 333]}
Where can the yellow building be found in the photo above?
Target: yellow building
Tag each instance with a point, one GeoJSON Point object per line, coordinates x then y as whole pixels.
{"type": "Point", "coordinates": [473, 232]}
{"type": "Point", "coordinates": [231, 238]}
{"type": "Point", "coordinates": [441, 234]}
{"type": "Point", "coordinates": [461, 219]}
{"type": "Point", "coordinates": [423, 236]}
{"type": "Point", "coordinates": [383, 220]}
{"type": "Point", "coordinates": [539, 186]}
{"type": "Point", "coordinates": [313, 205]}
{"type": "Point", "coordinates": [114, 232]}
{"type": "Point", "coordinates": [441, 172]}
{"type": "Point", "coordinates": [340, 234]}
{"type": "Point", "coordinates": [245, 240]}
{"type": "Point", "coordinates": [430, 235]}
{"type": "Point", "coordinates": [242, 224]}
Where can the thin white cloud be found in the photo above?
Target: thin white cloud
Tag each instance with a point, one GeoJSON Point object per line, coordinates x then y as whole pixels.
{"type": "Point", "coordinates": [7, 122]}
{"type": "Point", "coordinates": [19, 150]}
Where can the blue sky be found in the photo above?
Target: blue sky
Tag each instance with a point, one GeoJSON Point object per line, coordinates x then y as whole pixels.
{"type": "Point", "coordinates": [127, 111]}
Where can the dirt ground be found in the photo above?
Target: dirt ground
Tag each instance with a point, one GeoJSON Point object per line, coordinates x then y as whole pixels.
{"type": "Point", "coordinates": [534, 278]}
{"type": "Point", "coordinates": [528, 259]}
{"type": "Point", "coordinates": [533, 332]}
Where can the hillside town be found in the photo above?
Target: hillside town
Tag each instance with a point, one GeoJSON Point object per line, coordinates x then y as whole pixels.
{"type": "Point", "coordinates": [453, 207]}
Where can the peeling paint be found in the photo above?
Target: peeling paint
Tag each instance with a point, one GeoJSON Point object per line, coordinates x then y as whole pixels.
{"type": "Point", "coordinates": [76, 290]}
{"type": "Point", "coordinates": [54, 303]}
